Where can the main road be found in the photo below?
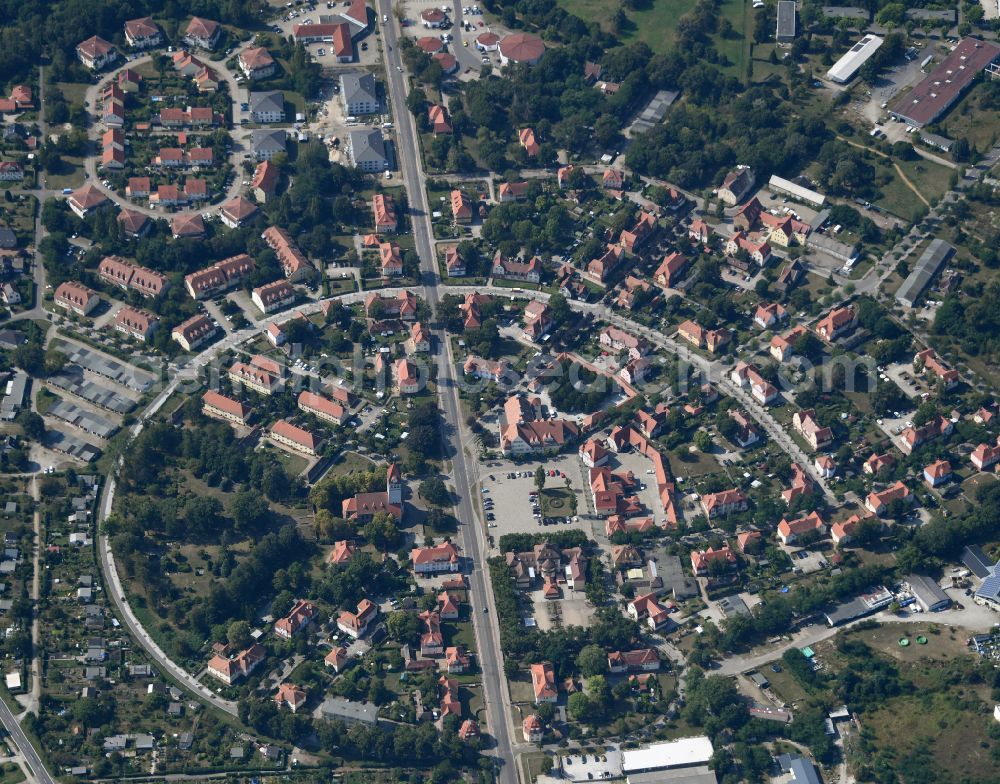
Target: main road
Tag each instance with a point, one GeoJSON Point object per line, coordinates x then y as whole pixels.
{"type": "Point", "coordinates": [28, 751]}
{"type": "Point", "coordinates": [471, 536]}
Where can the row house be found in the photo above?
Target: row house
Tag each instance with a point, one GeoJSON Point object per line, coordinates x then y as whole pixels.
{"type": "Point", "coordinates": [294, 438]}
{"type": "Point", "coordinates": [293, 261]}
{"type": "Point", "coordinates": [221, 276]}
{"type": "Point", "coordinates": [529, 271]}
{"type": "Point", "coordinates": [385, 213]}
{"type": "Point", "coordinates": [914, 437]}
{"type": "Point", "coordinates": [230, 670]}
{"type": "Point", "coordinates": [402, 306]}
{"type": "Point", "coordinates": [791, 530]}
{"type": "Point", "coordinates": [254, 378]}
{"type": "Point", "coordinates": [131, 277]}
{"type": "Point", "coordinates": [747, 376]}
{"type": "Point", "coordinates": [633, 239]}
{"type": "Point", "coordinates": [322, 407]}
{"type": "Point", "coordinates": [709, 339]}
{"type": "Point", "coordinates": [219, 406]}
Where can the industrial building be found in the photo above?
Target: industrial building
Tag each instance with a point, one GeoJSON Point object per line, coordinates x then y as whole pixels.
{"type": "Point", "coordinates": [793, 189]}
{"type": "Point", "coordinates": [927, 266]}
{"type": "Point", "coordinates": [945, 84]}
{"type": "Point", "coordinates": [863, 605]}
{"type": "Point", "coordinates": [847, 66]}
{"type": "Point", "coordinates": [676, 754]}
{"type": "Point", "coordinates": [928, 593]}
{"type": "Point", "coordinates": [785, 32]}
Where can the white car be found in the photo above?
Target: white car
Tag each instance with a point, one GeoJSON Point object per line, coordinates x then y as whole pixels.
{"type": "Point", "coordinates": [385, 18]}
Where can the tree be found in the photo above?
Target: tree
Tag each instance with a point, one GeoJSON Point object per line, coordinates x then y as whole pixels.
{"type": "Point", "coordinates": [539, 479]}
{"type": "Point", "coordinates": [703, 441]}
{"type": "Point", "coordinates": [401, 626]}
{"type": "Point", "coordinates": [31, 424]}
{"type": "Point", "coordinates": [238, 634]}
{"type": "Point", "coordinates": [434, 491]}
{"type": "Point", "coordinates": [592, 660]}
{"type": "Point", "coordinates": [249, 510]}
{"type": "Point", "coordinates": [579, 706]}
{"type": "Point", "coordinates": [382, 532]}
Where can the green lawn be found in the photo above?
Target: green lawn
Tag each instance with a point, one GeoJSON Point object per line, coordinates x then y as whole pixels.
{"type": "Point", "coordinates": [11, 773]}
{"type": "Point", "coordinates": [656, 24]}
{"type": "Point", "coordinates": [929, 178]}
{"type": "Point", "coordinates": [558, 502]}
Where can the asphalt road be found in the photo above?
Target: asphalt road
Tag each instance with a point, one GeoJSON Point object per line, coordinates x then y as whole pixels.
{"type": "Point", "coordinates": [471, 536]}
{"type": "Point", "coordinates": [42, 775]}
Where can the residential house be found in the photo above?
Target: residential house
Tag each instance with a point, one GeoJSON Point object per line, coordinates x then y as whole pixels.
{"type": "Point", "coordinates": [928, 362]}
{"type": "Point", "coordinates": [264, 182]}
{"type": "Point", "coordinates": [202, 33]}
{"type": "Point", "coordinates": [356, 624]}
{"type": "Point", "coordinates": [221, 407]}
{"type": "Point", "coordinates": [436, 559]}
{"type": "Point", "coordinates": [937, 473]}
{"type": "Point", "coordinates": [736, 185]}
{"type": "Point", "coordinates": [529, 271]}
{"type": "Point", "coordinates": [724, 503]}
{"type": "Point", "coordinates": [76, 297]}
{"type": "Point", "coordinates": [807, 426]}
{"type": "Point", "coordinates": [438, 119]}
{"type": "Point", "coordinates": [366, 150]}
{"type": "Point", "coordinates": [671, 270]}
{"type": "Point", "coordinates": [95, 53]}
{"type": "Point", "coordinates": [838, 322]}
{"type": "Point", "coordinates": [143, 33]}
{"type": "Point", "coordinates": [543, 683]}
{"type": "Point", "coordinates": [267, 107]}
{"type": "Point", "coordinates": [385, 213]}
{"type": "Point", "coordinates": [295, 438]}
{"type": "Point", "coordinates": [790, 531]}
{"type": "Point", "coordinates": [300, 616]}
{"type": "Point", "coordinates": [461, 208]}
{"type": "Point", "coordinates": [878, 502]}
{"type": "Point", "coordinates": [236, 212]}
{"type": "Point", "coordinates": [256, 63]}
{"type": "Point", "coordinates": [358, 94]}
{"type": "Point", "coordinates": [273, 296]}
{"type": "Point", "coordinates": [527, 139]}
{"type": "Point", "coordinates": [137, 324]}
{"type": "Point", "coordinates": [193, 332]}
{"type": "Point", "coordinates": [221, 276]}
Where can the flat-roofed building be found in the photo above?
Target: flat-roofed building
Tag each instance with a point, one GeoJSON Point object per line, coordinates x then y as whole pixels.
{"type": "Point", "coordinates": [786, 24]}
{"type": "Point", "coordinates": [847, 66]}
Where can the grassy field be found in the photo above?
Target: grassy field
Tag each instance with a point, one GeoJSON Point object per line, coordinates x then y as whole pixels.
{"type": "Point", "coordinates": [656, 23]}
{"type": "Point", "coordinates": [970, 120]}
{"type": "Point", "coordinates": [929, 178]}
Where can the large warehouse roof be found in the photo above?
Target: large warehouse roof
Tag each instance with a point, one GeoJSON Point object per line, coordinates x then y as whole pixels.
{"type": "Point", "coordinates": [927, 267]}
{"type": "Point", "coordinates": [942, 86]}
{"type": "Point", "coordinates": [675, 754]}
{"type": "Point", "coordinates": [845, 68]}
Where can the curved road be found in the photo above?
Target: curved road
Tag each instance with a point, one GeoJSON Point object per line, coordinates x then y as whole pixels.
{"type": "Point", "coordinates": [95, 132]}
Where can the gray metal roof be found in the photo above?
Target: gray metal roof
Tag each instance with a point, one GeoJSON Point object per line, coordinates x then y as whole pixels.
{"type": "Point", "coordinates": [268, 102]}
{"type": "Point", "coordinates": [803, 771]}
{"type": "Point", "coordinates": [85, 420]}
{"type": "Point", "coordinates": [14, 399]}
{"type": "Point", "coordinates": [926, 268]}
{"type": "Point", "coordinates": [358, 88]}
{"type": "Point", "coordinates": [367, 146]}
{"type": "Point", "coordinates": [268, 140]}
{"type": "Point", "coordinates": [927, 592]}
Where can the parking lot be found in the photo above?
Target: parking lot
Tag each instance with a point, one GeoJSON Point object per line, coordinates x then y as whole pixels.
{"type": "Point", "coordinates": [366, 49]}
{"type": "Point", "coordinates": [571, 610]}
{"type": "Point", "coordinates": [461, 33]}
{"type": "Point", "coordinates": [507, 499]}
